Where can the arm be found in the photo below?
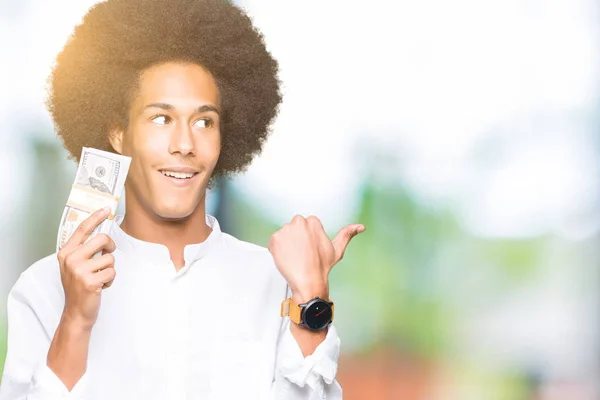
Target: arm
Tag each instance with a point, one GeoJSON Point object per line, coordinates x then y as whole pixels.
{"type": "Point", "coordinates": [306, 339]}
{"type": "Point", "coordinates": [83, 279]}
{"type": "Point", "coordinates": [26, 374]}
{"type": "Point", "coordinates": [35, 368]}
{"type": "Point", "coordinates": [68, 353]}
{"type": "Point", "coordinates": [307, 360]}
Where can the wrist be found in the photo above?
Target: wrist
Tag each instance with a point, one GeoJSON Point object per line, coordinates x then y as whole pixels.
{"type": "Point", "coordinates": [74, 324]}
{"type": "Point", "coordinates": [296, 329]}
{"type": "Point", "coordinates": [307, 294]}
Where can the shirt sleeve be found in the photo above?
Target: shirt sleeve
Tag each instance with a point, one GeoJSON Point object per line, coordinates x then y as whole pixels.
{"type": "Point", "coordinates": [26, 375]}
{"type": "Point", "coordinates": [306, 378]}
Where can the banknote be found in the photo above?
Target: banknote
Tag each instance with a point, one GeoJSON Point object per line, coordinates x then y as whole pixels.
{"type": "Point", "coordinates": [99, 182]}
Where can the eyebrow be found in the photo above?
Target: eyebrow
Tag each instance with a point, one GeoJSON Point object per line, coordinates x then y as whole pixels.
{"type": "Point", "coordinates": [169, 107]}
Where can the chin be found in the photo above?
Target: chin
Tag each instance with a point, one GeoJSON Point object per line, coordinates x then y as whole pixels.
{"type": "Point", "coordinates": [175, 213]}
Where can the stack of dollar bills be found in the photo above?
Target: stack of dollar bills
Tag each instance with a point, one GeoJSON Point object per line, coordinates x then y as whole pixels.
{"type": "Point", "coordinates": [98, 183]}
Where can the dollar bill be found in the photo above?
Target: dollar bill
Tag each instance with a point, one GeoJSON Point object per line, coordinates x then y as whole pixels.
{"type": "Point", "coordinates": [99, 182]}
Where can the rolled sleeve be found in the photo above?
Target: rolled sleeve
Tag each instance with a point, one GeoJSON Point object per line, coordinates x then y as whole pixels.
{"type": "Point", "coordinates": [307, 378]}
{"type": "Point", "coordinates": [46, 385]}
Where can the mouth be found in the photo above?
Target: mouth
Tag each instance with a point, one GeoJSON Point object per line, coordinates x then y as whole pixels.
{"type": "Point", "coordinates": [179, 177]}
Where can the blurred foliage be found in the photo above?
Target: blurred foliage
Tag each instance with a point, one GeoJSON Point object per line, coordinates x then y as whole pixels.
{"type": "Point", "coordinates": [48, 193]}
{"type": "Point", "coordinates": [518, 258]}
{"type": "Point", "coordinates": [474, 381]}
{"type": "Point", "coordinates": [398, 279]}
{"type": "Point", "coordinates": [401, 283]}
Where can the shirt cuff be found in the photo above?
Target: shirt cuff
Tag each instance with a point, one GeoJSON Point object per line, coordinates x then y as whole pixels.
{"type": "Point", "coordinates": [315, 370]}
{"type": "Point", "coordinates": [46, 385]}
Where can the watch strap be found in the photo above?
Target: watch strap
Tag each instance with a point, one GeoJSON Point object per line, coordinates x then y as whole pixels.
{"type": "Point", "coordinates": [289, 308]}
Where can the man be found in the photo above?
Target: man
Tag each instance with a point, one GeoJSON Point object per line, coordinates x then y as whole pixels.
{"type": "Point", "coordinates": [173, 308]}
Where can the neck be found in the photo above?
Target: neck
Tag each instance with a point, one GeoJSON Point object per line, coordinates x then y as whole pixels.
{"type": "Point", "coordinates": [141, 223]}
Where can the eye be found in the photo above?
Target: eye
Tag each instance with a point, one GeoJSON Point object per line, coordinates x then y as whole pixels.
{"type": "Point", "coordinates": [161, 119]}
{"type": "Point", "coordinates": [203, 123]}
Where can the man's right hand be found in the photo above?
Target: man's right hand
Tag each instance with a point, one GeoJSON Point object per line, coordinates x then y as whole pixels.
{"type": "Point", "coordinates": [83, 277]}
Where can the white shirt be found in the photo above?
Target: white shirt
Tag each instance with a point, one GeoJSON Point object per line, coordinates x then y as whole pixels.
{"type": "Point", "coordinates": [211, 330]}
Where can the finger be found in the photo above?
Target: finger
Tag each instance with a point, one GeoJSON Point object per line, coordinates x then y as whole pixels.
{"type": "Point", "coordinates": [99, 263]}
{"type": "Point", "coordinates": [84, 229]}
{"type": "Point", "coordinates": [298, 219]}
{"type": "Point", "coordinates": [317, 227]}
{"type": "Point", "coordinates": [108, 284]}
{"type": "Point", "coordinates": [104, 278]}
{"type": "Point", "coordinates": [99, 243]}
{"type": "Point", "coordinates": [341, 240]}
{"type": "Point", "coordinates": [314, 221]}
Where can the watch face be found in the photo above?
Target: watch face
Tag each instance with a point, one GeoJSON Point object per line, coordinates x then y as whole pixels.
{"type": "Point", "coordinates": [318, 314]}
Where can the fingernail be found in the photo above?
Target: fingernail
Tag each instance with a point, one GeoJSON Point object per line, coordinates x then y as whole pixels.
{"type": "Point", "coordinates": [106, 210]}
{"type": "Point", "coordinates": [360, 229]}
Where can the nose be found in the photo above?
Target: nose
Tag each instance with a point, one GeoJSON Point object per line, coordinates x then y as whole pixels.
{"type": "Point", "coordinates": [182, 140]}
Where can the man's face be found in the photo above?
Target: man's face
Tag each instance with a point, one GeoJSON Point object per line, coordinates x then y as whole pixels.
{"type": "Point", "coordinates": [173, 138]}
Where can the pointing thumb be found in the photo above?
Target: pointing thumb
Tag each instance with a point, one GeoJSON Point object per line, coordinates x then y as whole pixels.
{"type": "Point", "coordinates": [341, 240]}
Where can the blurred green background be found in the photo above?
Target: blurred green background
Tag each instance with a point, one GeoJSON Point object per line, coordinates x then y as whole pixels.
{"type": "Point", "coordinates": [464, 135]}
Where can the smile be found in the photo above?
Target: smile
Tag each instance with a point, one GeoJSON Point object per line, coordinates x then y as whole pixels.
{"type": "Point", "coordinates": [183, 178]}
{"type": "Point", "coordinates": [179, 175]}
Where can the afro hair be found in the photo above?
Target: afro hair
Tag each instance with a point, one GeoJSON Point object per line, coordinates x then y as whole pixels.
{"type": "Point", "coordinates": [96, 74]}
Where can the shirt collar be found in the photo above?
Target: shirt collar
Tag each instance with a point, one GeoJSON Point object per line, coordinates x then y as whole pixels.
{"type": "Point", "coordinates": [156, 252]}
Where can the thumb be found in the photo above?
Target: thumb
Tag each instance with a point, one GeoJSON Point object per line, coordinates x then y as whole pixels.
{"type": "Point", "coordinates": [341, 240]}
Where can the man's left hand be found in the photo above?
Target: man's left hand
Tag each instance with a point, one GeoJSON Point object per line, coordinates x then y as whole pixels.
{"type": "Point", "coordinates": [305, 255]}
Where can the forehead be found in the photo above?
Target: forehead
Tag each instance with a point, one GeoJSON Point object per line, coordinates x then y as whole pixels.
{"type": "Point", "coordinates": [179, 84]}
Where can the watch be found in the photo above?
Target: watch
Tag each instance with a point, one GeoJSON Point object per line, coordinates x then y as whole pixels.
{"type": "Point", "coordinates": [315, 314]}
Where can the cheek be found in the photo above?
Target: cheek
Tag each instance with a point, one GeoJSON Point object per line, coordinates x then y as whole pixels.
{"type": "Point", "coordinates": [209, 147]}
{"type": "Point", "coordinates": [147, 145]}
{"type": "Point", "coordinates": [151, 141]}
{"type": "Point", "coordinates": [145, 149]}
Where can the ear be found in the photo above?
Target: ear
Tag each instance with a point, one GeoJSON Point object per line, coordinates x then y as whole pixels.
{"type": "Point", "coordinates": [115, 137]}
